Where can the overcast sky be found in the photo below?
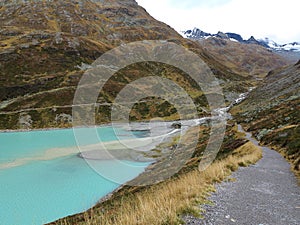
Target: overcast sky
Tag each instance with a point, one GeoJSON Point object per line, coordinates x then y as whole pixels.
{"type": "Point", "coordinates": [278, 20]}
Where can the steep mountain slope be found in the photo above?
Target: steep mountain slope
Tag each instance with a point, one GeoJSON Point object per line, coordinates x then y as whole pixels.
{"type": "Point", "coordinates": [45, 47]}
{"type": "Point", "coordinates": [271, 112]}
{"type": "Point", "coordinates": [247, 60]}
{"type": "Point", "coordinates": [246, 57]}
{"type": "Point", "coordinates": [41, 39]}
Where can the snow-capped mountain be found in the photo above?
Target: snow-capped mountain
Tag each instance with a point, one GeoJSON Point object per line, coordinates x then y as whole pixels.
{"type": "Point", "coordinates": [294, 46]}
{"type": "Point", "coordinates": [199, 34]}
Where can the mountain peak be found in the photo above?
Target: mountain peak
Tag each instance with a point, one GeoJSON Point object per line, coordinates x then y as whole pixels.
{"type": "Point", "coordinates": [293, 47]}
{"type": "Point", "coordinates": [252, 39]}
{"type": "Point", "coordinates": [195, 33]}
{"type": "Point", "coordinates": [222, 35]}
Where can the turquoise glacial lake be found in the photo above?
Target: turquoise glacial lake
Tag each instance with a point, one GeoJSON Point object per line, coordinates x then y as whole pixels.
{"type": "Point", "coordinates": [36, 189]}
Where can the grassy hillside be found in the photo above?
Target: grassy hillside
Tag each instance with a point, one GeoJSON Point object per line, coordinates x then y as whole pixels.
{"type": "Point", "coordinates": [271, 112]}
{"type": "Point", "coordinates": [164, 202]}
{"type": "Point", "coordinates": [245, 59]}
{"type": "Point", "coordinates": [46, 46]}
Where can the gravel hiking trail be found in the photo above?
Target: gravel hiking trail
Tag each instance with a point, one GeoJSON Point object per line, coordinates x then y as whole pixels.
{"type": "Point", "coordinates": [266, 193]}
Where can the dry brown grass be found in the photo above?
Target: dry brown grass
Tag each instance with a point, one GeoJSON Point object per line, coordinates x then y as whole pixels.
{"type": "Point", "coordinates": [163, 203]}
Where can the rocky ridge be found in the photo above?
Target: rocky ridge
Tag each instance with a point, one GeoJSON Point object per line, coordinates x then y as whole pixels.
{"type": "Point", "coordinates": [290, 51]}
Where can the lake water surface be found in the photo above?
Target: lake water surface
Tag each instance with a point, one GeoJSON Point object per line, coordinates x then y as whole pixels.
{"type": "Point", "coordinates": [39, 185]}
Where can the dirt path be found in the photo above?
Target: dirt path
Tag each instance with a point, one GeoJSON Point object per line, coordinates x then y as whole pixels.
{"type": "Point", "coordinates": [263, 194]}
